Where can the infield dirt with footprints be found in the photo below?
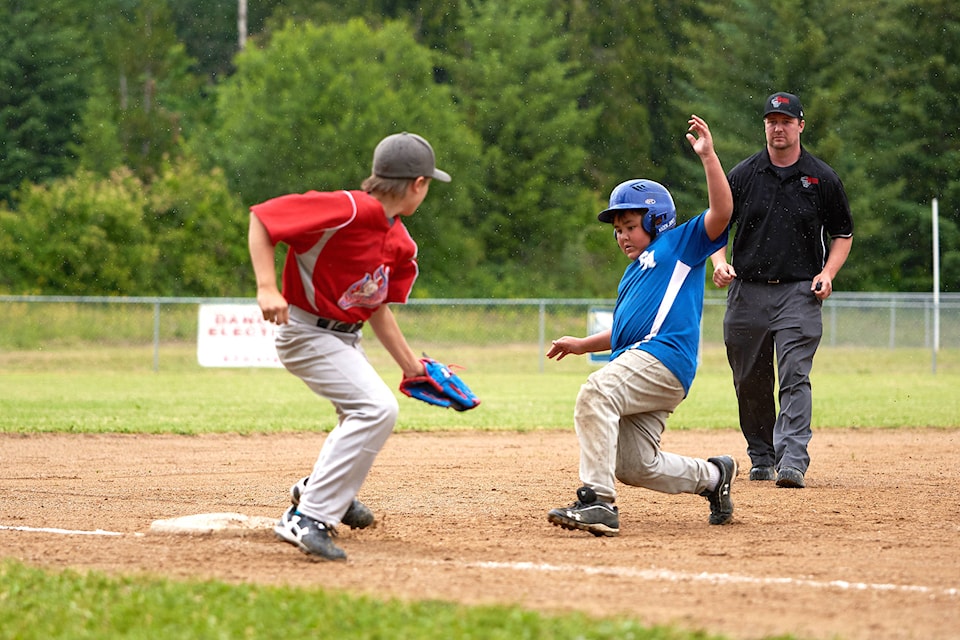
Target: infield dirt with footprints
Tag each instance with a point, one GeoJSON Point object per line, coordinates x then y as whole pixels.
{"type": "Point", "coordinates": [870, 549]}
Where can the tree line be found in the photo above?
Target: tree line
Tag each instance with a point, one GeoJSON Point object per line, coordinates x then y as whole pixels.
{"type": "Point", "coordinates": [135, 135]}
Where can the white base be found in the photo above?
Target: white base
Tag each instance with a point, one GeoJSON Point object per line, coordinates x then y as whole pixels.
{"type": "Point", "coordinates": [226, 523]}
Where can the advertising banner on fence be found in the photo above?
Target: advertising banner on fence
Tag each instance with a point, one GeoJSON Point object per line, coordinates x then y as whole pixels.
{"type": "Point", "coordinates": [235, 335]}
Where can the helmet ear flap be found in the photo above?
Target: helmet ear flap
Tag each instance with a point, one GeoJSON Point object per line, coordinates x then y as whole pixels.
{"type": "Point", "coordinates": [657, 221]}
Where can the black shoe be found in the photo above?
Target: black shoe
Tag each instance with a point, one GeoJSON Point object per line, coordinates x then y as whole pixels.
{"type": "Point", "coordinates": [297, 489]}
{"type": "Point", "coordinates": [358, 515]}
{"type": "Point", "coordinates": [763, 473]}
{"type": "Point", "coordinates": [587, 514]}
{"type": "Point", "coordinates": [790, 478]}
{"type": "Point", "coordinates": [721, 505]}
{"type": "Point", "coordinates": [312, 537]}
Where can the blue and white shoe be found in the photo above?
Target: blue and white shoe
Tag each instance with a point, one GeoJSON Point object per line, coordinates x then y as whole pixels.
{"type": "Point", "coordinates": [313, 538]}
{"type": "Point", "coordinates": [358, 515]}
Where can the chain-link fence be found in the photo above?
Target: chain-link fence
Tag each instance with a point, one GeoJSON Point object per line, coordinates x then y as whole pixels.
{"type": "Point", "coordinates": [32, 324]}
{"type": "Point", "coordinates": [890, 320]}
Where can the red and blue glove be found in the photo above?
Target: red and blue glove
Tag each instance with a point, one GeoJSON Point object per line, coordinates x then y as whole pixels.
{"type": "Point", "coordinates": [439, 386]}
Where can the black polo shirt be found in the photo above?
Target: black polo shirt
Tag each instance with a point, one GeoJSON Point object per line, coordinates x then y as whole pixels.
{"type": "Point", "coordinates": [785, 217]}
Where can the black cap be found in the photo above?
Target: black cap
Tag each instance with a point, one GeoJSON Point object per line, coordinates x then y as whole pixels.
{"type": "Point", "coordinates": [785, 103]}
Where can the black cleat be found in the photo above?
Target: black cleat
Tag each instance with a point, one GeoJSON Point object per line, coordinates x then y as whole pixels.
{"type": "Point", "coordinates": [721, 505]}
{"type": "Point", "coordinates": [587, 514]}
{"type": "Point", "coordinates": [313, 538]}
{"type": "Point", "coordinates": [358, 515]}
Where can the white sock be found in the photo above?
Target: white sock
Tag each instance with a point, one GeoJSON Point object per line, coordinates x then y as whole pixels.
{"type": "Point", "coordinates": [714, 476]}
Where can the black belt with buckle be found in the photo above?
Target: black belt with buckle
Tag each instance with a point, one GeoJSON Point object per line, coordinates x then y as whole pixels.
{"type": "Point", "coordinates": [338, 326]}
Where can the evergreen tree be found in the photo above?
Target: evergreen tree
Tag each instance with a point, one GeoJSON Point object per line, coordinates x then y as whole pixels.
{"type": "Point", "coordinates": [148, 72]}
{"type": "Point", "coordinates": [42, 58]}
{"type": "Point", "coordinates": [520, 91]}
{"type": "Point", "coordinates": [904, 128]}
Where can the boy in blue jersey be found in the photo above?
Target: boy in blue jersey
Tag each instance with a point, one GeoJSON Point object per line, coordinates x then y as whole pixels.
{"type": "Point", "coordinates": [621, 410]}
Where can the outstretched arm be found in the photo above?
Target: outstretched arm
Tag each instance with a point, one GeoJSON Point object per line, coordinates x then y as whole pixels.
{"type": "Point", "coordinates": [718, 189]}
{"type": "Point", "coordinates": [562, 347]}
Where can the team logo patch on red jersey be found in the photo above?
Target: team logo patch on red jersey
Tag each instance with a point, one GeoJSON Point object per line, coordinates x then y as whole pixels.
{"type": "Point", "coordinates": [369, 291]}
{"type": "Point", "coordinates": [808, 181]}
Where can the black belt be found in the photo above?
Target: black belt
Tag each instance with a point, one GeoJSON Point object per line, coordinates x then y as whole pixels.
{"type": "Point", "coordinates": [337, 325]}
{"type": "Point", "coordinates": [324, 323]}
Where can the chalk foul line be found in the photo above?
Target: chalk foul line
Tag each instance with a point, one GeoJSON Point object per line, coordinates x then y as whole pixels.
{"type": "Point", "coordinates": [65, 532]}
{"type": "Point", "coordinates": [663, 575]}
{"type": "Point", "coordinates": [712, 578]}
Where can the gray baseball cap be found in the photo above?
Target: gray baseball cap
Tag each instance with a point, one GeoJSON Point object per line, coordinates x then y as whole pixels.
{"type": "Point", "coordinates": [406, 155]}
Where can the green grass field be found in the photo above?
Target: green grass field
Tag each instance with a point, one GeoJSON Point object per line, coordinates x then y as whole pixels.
{"type": "Point", "coordinates": [40, 605]}
{"type": "Point", "coordinates": [115, 389]}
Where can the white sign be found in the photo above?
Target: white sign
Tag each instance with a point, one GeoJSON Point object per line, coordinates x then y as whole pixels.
{"type": "Point", "coordinates": [235, 335]}
{"type": "Point", "coordinates": [599, 319]}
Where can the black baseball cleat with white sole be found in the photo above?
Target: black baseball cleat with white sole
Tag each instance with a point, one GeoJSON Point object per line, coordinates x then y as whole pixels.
{"type": "Point", "coordinates": [313, 538]}
{"type": "Point", "coordinates": [358, 515]}
{"type": "Point", "coordinates": [588, 513]}
{"type": "Point", "coordinates": [721, 504]}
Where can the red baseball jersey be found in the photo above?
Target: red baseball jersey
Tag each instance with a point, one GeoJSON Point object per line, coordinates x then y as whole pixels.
{"type": "Point", "coordinates": [345, 257]}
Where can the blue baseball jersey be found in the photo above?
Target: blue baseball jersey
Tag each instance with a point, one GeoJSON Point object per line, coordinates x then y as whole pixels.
{"type": "Point", "coordinates": [660, 299]}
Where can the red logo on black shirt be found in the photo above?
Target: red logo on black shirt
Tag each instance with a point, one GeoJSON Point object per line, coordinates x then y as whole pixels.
{"type": "Point", "coordinates": [808, 181]}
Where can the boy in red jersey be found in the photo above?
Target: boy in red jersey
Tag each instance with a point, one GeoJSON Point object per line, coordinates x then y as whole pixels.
{"type": "Point", "coordinates": [349, 257]}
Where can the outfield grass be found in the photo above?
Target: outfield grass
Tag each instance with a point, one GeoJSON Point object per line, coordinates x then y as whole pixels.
{"type": "Point", "coordinates": [114, 389]}
{"type": "Point", "coordinates": [42, 605]}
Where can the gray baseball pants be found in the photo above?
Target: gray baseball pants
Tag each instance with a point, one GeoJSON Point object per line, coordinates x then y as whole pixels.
{"type": "Point", "coordinates": [335, 367]}
{"type": "Point", "coordinates": [762, 322]}
{"type": "Point", "coordinates": [620, 415]}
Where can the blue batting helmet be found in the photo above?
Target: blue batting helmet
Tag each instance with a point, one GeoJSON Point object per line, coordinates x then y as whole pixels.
{"type": "Point", "coordinates": [646, 196]}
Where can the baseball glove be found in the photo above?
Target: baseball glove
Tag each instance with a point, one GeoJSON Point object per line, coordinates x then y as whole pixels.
{"type": "Point", "coordinates": [439, 386]}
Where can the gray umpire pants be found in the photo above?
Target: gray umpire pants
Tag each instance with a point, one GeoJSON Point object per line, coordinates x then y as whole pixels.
{"type": "Point", "coordinates": [766, 323]}
{"type": "Point", "coordinates": [335, 367]}
{"type": "Point", "coordinates": [620, 415]}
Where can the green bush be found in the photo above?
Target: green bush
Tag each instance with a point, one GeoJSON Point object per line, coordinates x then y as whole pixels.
{"type": "Point", "coordinates": [182, 234]}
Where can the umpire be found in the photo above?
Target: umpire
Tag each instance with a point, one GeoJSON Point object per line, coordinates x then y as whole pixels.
{"type": "Point", "coordinates": [793, 232]}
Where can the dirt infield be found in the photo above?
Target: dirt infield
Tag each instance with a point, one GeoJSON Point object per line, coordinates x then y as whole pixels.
{"type": "Point", "coordinates": [870, 549]}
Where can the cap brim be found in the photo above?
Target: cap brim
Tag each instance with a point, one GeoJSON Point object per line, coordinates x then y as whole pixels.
{"type": "Point", "coordinates": [607, 215]}
{"type": "Point", "coordinates": [442, 176]}
{"type": "Point", "coordinates": [786, 113]}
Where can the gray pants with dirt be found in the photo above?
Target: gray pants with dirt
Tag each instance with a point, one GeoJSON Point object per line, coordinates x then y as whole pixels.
{"type": "Point", "coordinates": [620, 415]}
